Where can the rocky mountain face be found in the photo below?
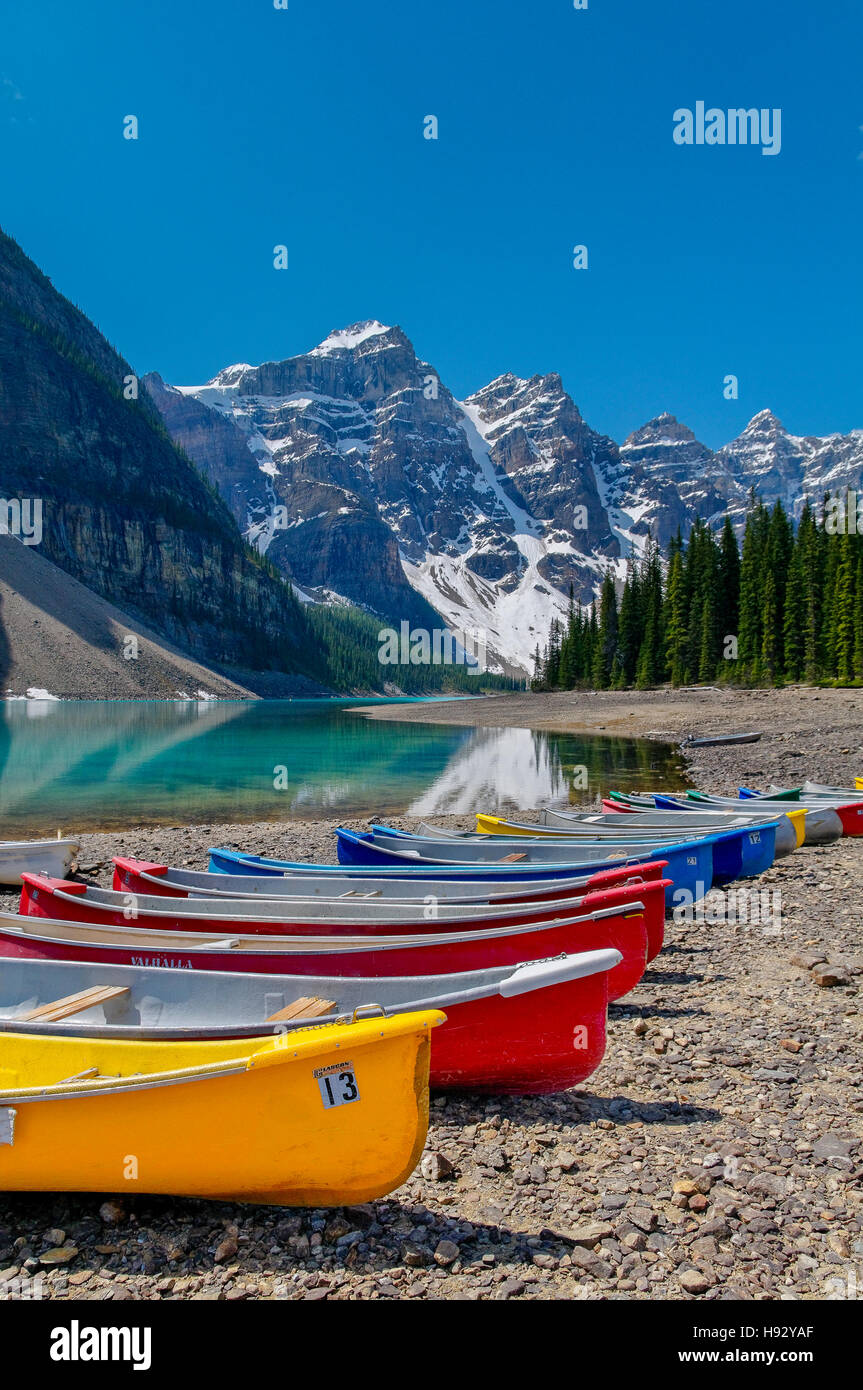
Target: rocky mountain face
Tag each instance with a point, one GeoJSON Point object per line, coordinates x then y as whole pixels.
{"type": "Point", "coordinates": [363, 477]}
{"type": "Point", "coordinates": [360, 476]}
{"type": "Point", "coordinates": [123, 511]}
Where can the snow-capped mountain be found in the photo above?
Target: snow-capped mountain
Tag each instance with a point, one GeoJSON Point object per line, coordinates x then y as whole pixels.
{"type": "Point", "coordinates": [359, 474]}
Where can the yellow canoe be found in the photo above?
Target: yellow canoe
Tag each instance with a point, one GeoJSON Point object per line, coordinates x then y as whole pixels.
{"type": "Point", "coordinates": [858, 784]}
{"type": "Point", "coordinates": [318, 1117]}
{"type": "Point", "coordinates": [496, 825]}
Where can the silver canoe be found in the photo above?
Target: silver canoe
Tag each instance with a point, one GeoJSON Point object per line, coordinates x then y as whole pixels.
{"type": "Point", "coordinates": [819, 789]}
{"type": "Point", "coordinates": [494, 849]}
{"type": "Point", "coordinates": [822, 825]}
{"type": "Point", "coordinates": [292, 913]}
{"type": "Point", "coordinates": [668, 824]}
{"type": "Point", "coordinates": [342, 892]}
{"type": "Point", "coordinates": [826, 797]}
{"type": "Point", "coordinates": [123, 1001]}
{"type": "Point", "coordinates": [617, 832]}
{"type": "Point", "coordinates": [84, 936]}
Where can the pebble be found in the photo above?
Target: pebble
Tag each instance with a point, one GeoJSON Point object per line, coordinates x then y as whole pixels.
{"type": "Point", "coordinates": [446, 1252]}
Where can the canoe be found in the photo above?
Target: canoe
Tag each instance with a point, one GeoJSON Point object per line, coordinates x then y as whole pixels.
{"type": "Point", "coordinates": [143, 876]}
{"type": "Point", "coordinates": [511, 875]}
{"type": "Point", "coordinates": [363, 914]}
{"type": "Point", "coordinates": [529, 1028]}
{"type": "Point", "coordinates": [323, 1117]}
{"type": "Point", "coordinates": [79, 902]}
{"type": "Point", "coordinates": [738, 851]}
{"type": "Point", "coordinates": [812, 828]}
{"type": "Point", "coordinates": [719, 740]}
{"type": "Point", "coordinates": [434, 953]}
{"type": "Point", "coordinates": [689, 864]}
{"type": "Point", "coordinates": [665, 823]}
{"type": "Point", "coordinates": [841, 793]}
{"type": "Point", "coordinates": [54, 857]}
{"type": "Point", "coordinates": [261, 917]}
{"type": "Point", "coordinates": [850, 813]}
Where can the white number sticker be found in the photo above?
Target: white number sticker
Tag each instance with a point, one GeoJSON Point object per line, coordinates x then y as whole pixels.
{"type": "Point", "coordinates": [338, 1085]}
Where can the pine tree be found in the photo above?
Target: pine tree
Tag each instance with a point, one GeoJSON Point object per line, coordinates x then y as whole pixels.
{"type": "Point", "coordinates": [770, 651]}
{"type": "Point", "coordinates": [631, 627]}
{"type": "Point", "coordinates": [707, 654]}
{"type": "Point", "coordinates": [728, 603]}
{"type": "Point", "coordinates": [794, 632]}
{"type": "Point", "coordinates": [809, 545]}
{"type": "Point", "coordinates": [675, 621]}
{"type": "Point", "coordinates": [858, 616]}
{"type": "Point", "coordinates": [750, 635]}
{"type": "Point", "coordinates": [843, 610]}
{"type": "Point", "coordinates": [606, 648]}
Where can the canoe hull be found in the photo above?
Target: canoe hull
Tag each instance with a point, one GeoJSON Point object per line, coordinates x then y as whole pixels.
{"type": "Point", "coordinates": [261, 1133]}
{"type": "Point", "coordinates": [49, 900]}
{"type": "Point", "coordinates": [143, 877]}
{"type": "Point", "coordinates": [339, 876]}
{"type": "Point", "coordinates": [624, 931]}
{"type": "Point", "coordinates": [532, 1045]}
{"type": "Point", "coordinates": [690, 866]}
{"type": "Point", "coordinates": [52, 857]}
{"type": "Point", "coordinates": [537, 1041]}
{"type": "Point", "coordinates": [693, 823]}
{"type": "Point", "coordinates": [738, 851]}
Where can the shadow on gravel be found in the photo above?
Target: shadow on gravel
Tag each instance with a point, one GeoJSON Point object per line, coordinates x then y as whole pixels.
{"type": "Point", "coordinates": [624, 1011]}
{"type": "Point", "coordinates": [621, 1110]}
{"type": "Point", "coordinates": [678, 977]}
{"type": "Point", "coordinates": [166, 1239]}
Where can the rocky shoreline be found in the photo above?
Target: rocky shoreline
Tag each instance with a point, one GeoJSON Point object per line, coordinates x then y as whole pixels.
{"type": "Point", "coordinates": [715, 1154]}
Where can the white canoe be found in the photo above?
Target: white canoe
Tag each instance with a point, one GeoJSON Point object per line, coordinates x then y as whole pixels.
{"type": "Point", "coordinates": [52, 857]}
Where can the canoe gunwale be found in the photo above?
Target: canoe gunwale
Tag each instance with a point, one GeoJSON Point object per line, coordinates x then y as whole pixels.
{"type": "Point", "coordinates": [275, 1052]}
{"type": "Point", "coordinates": [119, 1085]}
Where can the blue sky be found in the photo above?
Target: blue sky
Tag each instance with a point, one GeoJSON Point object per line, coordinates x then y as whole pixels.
{"type": "Point", "coordinates": [305, 127]}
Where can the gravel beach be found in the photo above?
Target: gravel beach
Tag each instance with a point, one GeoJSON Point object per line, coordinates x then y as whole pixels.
{"type": "Point", "coordinates": [715, 1154]}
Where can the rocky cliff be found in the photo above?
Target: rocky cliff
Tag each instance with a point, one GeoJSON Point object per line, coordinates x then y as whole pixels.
{"type": "Point", "coordinates": [124, 511]}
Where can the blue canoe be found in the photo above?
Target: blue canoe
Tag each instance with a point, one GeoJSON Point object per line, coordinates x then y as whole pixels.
{"type": "Point", "coordinates": [230, 861]}
{"type": "Point", "coordinates": [690, 864]}
{"type": "Point", "coordinates": [741, 852]}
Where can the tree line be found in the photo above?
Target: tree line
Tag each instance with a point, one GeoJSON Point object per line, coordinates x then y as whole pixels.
{"type": "Point", "coordinates": [785, 606]}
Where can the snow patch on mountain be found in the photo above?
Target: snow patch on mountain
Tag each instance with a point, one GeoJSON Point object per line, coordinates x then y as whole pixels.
{"type": "Point", "coordinates": [343, 339]}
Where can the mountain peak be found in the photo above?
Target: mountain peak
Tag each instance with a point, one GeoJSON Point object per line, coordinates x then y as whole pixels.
{"type": "Point", "coordinates": [764, 420]}
{"type": "Point", "coordinates": [344, 339]}
{"type": "Point", "coordinates": [665, 427]}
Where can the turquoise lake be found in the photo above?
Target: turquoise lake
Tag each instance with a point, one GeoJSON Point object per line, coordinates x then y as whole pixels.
{"type": "Point", "coordinates": [92, 764]}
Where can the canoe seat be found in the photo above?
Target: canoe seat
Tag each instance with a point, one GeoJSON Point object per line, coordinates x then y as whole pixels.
{"type": "Point", "coordinates": [73, 1004]}
{"type": "Point", "coordinates": [307, 1007]}
{"type": "Point", "coordinates": [512, 858]}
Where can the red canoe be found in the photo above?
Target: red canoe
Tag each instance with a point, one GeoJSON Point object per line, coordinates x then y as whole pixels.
{"type": "Point", "coordinates": [529, 1028]}
{"type": "Point", "coordinates": [77, 902]}
{"type": "Point", "coordinates": [435, 953]}
{"type": "Point", "coordinates": [529, 1044]}
{"type": "Point", "coordinates": [135, 877]}
{"type": "Point", "coordinates": [160, 880]}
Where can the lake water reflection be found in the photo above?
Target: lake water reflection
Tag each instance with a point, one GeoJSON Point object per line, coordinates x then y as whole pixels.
{"type": "Point", "coordinates": [102, 764]}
